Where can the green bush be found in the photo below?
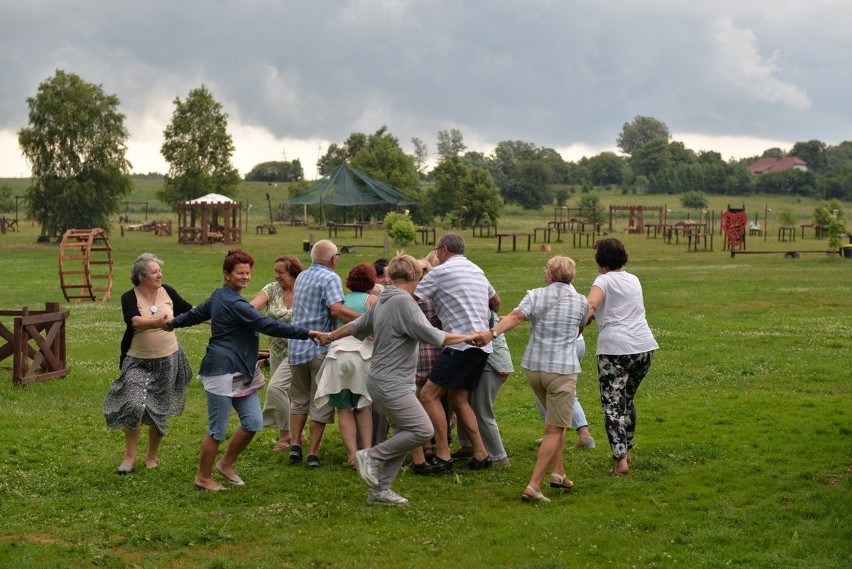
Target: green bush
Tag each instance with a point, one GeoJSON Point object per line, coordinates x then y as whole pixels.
{"type": "Point", "coordinates": [400, 228]}
{"type": "Point", "coordinates": [693, 200]}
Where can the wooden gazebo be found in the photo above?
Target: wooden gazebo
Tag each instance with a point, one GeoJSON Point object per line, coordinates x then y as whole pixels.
{"type": "Point", "coordinates": [213, 218]}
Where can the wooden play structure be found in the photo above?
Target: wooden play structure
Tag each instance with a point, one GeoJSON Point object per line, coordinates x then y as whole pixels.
{"type": "Point", "coordinates": [36, 343]}
{"type": "Point", "coordinates": [85, 265]}
{"type": "Point", "coordinates": [209, 219]}
{"type": "Point", "coordinates": [636, 216]}
{"type": "Point", "coordinates": [734, 223]}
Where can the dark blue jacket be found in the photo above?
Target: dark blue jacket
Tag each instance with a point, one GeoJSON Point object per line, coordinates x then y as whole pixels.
{"type": "Point", "coordinates": [234, 325]}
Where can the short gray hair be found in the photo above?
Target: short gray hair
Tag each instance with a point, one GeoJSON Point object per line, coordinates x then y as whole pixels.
{"type": "Point", "coordinates": [140, 267]}
{"type": "Point", "coordinates": [323, 251]}
{"type": "Point", "coordinates": [453, 242]}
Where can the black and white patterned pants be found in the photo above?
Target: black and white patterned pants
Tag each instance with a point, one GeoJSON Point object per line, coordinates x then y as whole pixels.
{"type": "Point", "coordinates": [619, 378]}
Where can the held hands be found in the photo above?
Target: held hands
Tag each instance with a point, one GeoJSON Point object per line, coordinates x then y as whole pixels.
{"type": "Point", "coordinates": [480, 338]}
{"type": "Point", "coordinates": [320, 338]}
{"type": "Point", "coordinates": [165, 323]}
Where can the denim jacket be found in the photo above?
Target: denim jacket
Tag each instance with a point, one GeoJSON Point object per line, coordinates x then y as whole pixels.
{"type": "Point", "coordinates": [235, 326]}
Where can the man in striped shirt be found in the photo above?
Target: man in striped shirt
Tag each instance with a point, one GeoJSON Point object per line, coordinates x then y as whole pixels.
{"type": "Point", "coordinates": [463, 297]}
{"type": "Point", "coordinates": [318, 301]}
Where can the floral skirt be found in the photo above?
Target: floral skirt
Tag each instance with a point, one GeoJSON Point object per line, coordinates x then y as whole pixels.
{"type": "Point", "coordinates": [149, 390]}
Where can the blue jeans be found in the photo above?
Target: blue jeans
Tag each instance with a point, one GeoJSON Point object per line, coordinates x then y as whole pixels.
{"type": "Point", "coordinates": [219, 413]}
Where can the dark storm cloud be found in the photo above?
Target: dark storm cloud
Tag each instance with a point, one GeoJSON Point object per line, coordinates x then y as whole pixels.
{"type": "Point", "coordinates": [553, 73]}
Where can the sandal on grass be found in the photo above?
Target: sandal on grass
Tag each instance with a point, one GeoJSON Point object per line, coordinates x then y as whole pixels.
{"type": "Point", "coordinates": [281, 446]}
{"type": "Point", "coordinates": [560, 481]}
{"type": "Point", "coordinates": [532, 495]}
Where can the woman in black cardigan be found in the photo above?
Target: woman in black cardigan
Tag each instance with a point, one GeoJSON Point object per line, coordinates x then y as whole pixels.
{"type": "Point", "coordinates": [155, 372]}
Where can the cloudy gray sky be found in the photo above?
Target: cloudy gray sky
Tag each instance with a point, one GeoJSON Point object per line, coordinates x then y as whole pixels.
{"type": "Point", "coordinates": [735, 76]}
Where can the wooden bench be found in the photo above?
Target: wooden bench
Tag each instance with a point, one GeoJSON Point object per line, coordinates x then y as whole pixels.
{"type": "Point", "coordinates": [695, 238]}
{"type": "Point", "coordinates": [268, 227]}
{"type": "Point", "coordinates": [424, 232]}
{"type": "Point", "coordinates": [356, 227]}
{"type": "Point", "coordinates": [578, 236]}
{"type": "Point", "coordinates": [483, 227]}
{"type": "Point", "coordinates": [546, 234]}
{"type": "Point", "coordinates": [514, 235]}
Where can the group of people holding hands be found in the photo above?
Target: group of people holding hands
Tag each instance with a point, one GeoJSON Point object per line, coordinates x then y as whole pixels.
{"type": "Point", "coordinates": [403, 354]}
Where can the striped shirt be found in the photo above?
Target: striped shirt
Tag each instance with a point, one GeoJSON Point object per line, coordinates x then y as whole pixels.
{"type": "Point", "coordinates": [555, 313]}
{"type": "Point", "coordinates": [461, 293]}
{"type": "Point", "coordinates": [316, 289]}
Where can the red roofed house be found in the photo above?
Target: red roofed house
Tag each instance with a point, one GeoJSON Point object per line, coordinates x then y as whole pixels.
{"type": "Point", "coordinates": [773, 164]}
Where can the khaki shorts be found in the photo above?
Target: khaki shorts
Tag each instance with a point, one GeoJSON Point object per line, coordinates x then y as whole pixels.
{"type": "Point", "coordinates": [302, 390]}
{"type": "Point", "coordinates": [556, 392]}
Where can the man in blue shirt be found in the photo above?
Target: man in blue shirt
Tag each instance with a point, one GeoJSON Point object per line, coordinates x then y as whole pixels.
{"type": "Point", "coordinates": [317, 305]}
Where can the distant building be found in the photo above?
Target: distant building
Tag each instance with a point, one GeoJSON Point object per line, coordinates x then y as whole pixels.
{"type": "Point", "coordinates": [772, 164]}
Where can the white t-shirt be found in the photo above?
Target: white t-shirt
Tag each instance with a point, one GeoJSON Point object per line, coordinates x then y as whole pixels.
{"type": "Point", "coordinates": [622, 326]}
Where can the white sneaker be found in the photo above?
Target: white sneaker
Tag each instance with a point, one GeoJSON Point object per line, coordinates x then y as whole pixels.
{"type": "Point", "coordinates": [385, 498]}
{"type": "Point", "coordinates": [368, 468]}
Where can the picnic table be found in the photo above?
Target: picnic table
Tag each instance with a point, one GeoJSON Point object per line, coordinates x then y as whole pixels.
{"type": "Point", "coordinates": [820, 231]}
{"type": "Point", "coordinates": [787, 233]}
{"type": "Point", "coordinates": [514, 235]}
{"type": "Point", "coordinates": [358, 228]}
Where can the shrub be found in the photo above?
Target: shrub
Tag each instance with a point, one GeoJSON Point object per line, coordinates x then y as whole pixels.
{"type": "Point", "coordinates": [400, 228]}
{"type": "Point", "coordinates": [694, 200]}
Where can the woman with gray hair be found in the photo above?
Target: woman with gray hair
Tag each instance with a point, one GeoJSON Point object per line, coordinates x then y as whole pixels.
{"type": "Point", "coordinates": [155, 371]}
{"type": "Point", "coordinates": [398, 325]}
{"type": "Point", "coordinates": [557, 314]}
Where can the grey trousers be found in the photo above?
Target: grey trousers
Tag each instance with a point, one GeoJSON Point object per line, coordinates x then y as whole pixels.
{"type": "Point", "coordinates": [411, 428]}
{"type": "Point", "coordinates": [482, 402]}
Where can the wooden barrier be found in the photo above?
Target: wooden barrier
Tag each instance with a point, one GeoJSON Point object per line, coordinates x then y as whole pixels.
{"type": "Point", "coordinates": [36, 344]}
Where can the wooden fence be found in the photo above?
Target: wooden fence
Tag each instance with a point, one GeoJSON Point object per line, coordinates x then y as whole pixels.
{"type": "Point", "coordinates": [36, 343]}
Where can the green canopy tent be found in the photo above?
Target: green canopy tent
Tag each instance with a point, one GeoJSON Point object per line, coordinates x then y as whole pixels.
{"type": "Point", "coordinates": [348, 187]}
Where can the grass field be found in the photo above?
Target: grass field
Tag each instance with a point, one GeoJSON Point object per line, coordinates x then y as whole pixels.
{"type": "Point", "coordinates": [744, 440]}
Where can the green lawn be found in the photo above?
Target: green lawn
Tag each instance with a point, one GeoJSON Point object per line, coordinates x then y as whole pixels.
{"type": "Point", "coordinates": [743, 453]}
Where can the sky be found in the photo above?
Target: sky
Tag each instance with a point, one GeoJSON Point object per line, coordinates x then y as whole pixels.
{"type": "Point", "coordinates": [732, 76]}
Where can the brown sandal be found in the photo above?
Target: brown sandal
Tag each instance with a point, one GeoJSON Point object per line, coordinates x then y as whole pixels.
{"type": "Point", "coordinates": [281, 446]}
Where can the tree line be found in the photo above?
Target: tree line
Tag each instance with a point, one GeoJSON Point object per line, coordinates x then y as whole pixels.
{"type": "Point", "coordinates": [76, 142]}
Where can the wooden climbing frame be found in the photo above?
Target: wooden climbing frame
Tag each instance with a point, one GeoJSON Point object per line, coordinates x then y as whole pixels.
{"type": "Point", "coordinates": [85, 265]}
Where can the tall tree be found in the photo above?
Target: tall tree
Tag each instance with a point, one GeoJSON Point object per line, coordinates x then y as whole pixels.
{"type": "Point", "coordinates": [812, 152]}
{"type": "Point", "coordinates": [381, 156]}
{"type": "Point", "coordinates": [607, 168]}
{"type": "Point", "coordinates": [450, 143]}
{"type": "Point", "coordinates": [75, 144]}
{"type": "Point", "coordinates": [480, 200]}
{"type": "Point", "coordinates": [464, 194]}
{"type": "Point", "coordinates": [198, 148]}
{"type": "Point", "coordinates": [277, 171]}
{"type": "Point", "coordinates": [636, 134]}
{"type": "Point", "coordinates": [420, 155]}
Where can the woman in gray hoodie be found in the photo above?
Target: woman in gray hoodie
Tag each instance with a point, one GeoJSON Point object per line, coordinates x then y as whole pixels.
{"type": "Point", "coordinates": [398, 326]}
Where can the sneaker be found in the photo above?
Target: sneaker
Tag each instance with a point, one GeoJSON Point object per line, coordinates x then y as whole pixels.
{"type": "Point", "coordinates": [476, 464]}
{"type": "Point", "coordinates": [385, 498]}
{"type": "Point", "coordinates": [368, 468]}
{"type": "Point", "coordinates": [423, 469]}
{"type": "Point", "coordinates": [295, 454]}
{"type": "Point", "coordinates": [314, 461]}
{"type": "Point", "coordinates": [588, 443]}
{"type": "Point", "coordinates": [442, 466]}
{"type": "Point", "coordinates": [501, 462]}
